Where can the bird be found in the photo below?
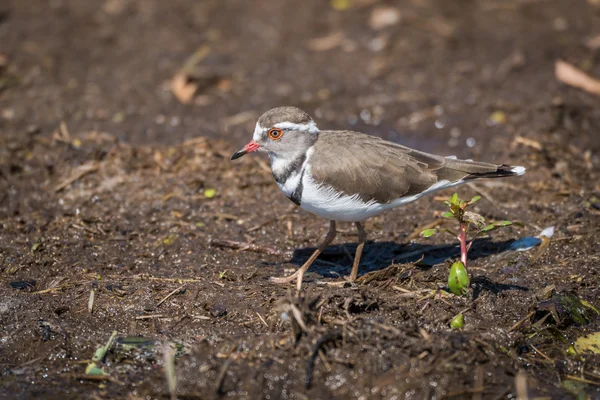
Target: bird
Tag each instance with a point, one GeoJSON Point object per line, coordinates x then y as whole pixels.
{"type": "Point", "coordinates": [351, 176]}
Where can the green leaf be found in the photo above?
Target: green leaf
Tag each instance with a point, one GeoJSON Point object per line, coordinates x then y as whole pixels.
{"type": "Point", "coordinates": [429, 232]}
{"type": "Point", "coordinates": [504, 223]}
{"type": "Point", "coordinates": [448, 214]}
{"type": "Point", "coordinates": [475, 199]}
{"type": "Point", "coordinates": [458, 280]}
{"type": "Point", "coordinates": [588, 344]}
{"type": "Point", "coordinates": [458, 322]}
{"type": "Point", "coordinates": [589, 305]}
{"type": "Point", "coordinates": [93, 369]}
{"type": "Point", "coordinates": [488, 228]}
{"type": "Point", "coordinates": [446, 202]}
{"type": "Point", "coordinates": [455, 200]}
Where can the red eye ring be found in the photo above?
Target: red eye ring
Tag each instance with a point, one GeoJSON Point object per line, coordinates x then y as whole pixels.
{"type": "Point", "coordinates": [275, 133]}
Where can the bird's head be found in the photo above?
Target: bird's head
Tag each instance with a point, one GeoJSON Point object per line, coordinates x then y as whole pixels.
{"type": "Point", "coordinates": [283, 132]}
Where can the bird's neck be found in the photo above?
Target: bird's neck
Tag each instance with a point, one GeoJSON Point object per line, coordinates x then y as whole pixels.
{"type": "Point", "coordinates": [286, 165]}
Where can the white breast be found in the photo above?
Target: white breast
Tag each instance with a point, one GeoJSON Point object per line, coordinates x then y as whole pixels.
{"type": "Point", "coordinates": [325, 202]}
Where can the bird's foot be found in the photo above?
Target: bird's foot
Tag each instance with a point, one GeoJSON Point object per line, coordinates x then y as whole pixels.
{"type": "Point", "coordinates": [284, 279]}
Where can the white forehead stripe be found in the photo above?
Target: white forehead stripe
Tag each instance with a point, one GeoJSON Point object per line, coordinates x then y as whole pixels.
{"type": "Point", "coordinates": [308, 127]}
{"type": "Point", "coordinates": [258, 132]}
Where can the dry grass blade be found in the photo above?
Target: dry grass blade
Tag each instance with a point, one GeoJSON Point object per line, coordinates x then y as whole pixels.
{"type": "Point", "coordinates": [328, 42]}
{"type": "Point", "coordinates": [575, 77]}
{"type": "Point", "coordinates": [298, 317]}
{"type": "Point", "coordinates": [519, 323]}
{"type": "Point", "coordinates": [91, 301]}
{"type": "Point", "coordinates": [232, 244]}
{"type": "Point", "coordinates": [169, 368]}
{"type": "Point", "coordinates": [541, 249]}
{"type": "Point", "coordinates": [179, 289]}
{"type": "Point", "coordinates": [521, 386]}
{"type": "Point", "coordinates": [79, 173]}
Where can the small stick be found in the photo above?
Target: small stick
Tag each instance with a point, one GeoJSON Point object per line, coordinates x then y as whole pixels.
{"type": "Point", "coordinates": [91, 301]}
{"type": "Point", "coordinates": [174, 280]}
{"type": "Point", "coordinates": [415, 234]}
{"type": "Point", "coordinates": [521, 386]}
{"type": "Point", "coordinates": [169, 366]}
{"type": "Point", "coordinates": [262, 319]}
{"type": "Point", "coordinates": [50, 290]}
{"type": "Point", "coordinates": [515, 326]}
{"type": "Point", "coordinates": [179, 289]}
{"type": "Point", "coordinates": [231, 244]}
{"type": "Point", "coordinates": [576, 378]}
{"type": "Point", "coordinates": [150, 316]}
{"type": "Point", "coordinates": [540, 353]}
{"type": "Point", "coordinates": [80, 173]}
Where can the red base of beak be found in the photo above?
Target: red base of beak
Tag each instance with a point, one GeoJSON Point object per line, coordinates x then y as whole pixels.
{"type": "Point", "coordinates": [249, 148]}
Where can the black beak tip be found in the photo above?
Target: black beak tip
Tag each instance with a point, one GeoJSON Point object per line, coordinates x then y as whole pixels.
{"type": "Point", "coordinates": [238, 155]}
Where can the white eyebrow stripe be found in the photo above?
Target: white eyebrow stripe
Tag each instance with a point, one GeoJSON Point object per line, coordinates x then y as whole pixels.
{"type": "Point", "coordinates": [308, 127]}
{"type": "Point", "coordinates": [258, 132]}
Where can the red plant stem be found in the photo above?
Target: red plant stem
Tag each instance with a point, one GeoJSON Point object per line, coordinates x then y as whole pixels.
{"type": "Point", "coordinates": [463, 243]}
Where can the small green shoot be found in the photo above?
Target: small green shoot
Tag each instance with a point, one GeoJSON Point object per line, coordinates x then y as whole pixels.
{"type": "Point", "coordinates": [467, 220]}
{"type": "Point", "coordinates": [458, 322]}
{"type": "Point", "coordinates": [93, 367]}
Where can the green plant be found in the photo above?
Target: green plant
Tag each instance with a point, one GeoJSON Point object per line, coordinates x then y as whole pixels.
{"type": "Point", "coordinates": [468, 221]}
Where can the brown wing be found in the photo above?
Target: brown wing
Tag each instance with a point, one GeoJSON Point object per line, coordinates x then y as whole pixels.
{"type": "Point", "coordinates": [383, 171]}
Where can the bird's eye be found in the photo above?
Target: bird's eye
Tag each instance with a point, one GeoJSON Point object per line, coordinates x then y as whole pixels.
{"type": "Point", "coordinates": [275, 133]}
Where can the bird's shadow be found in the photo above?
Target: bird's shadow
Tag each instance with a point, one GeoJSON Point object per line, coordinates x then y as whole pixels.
{"type": "Point", "coordinates": [336, 261]}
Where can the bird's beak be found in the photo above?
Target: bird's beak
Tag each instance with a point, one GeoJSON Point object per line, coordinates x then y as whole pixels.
{"type": "Point", "coordinates": [249, 148]}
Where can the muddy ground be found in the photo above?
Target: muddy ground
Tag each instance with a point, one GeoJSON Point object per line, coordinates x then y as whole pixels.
{"type": "Point", "coordinates": [106, 183]}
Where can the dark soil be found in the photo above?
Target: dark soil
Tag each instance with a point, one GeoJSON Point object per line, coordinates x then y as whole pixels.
{"type": "Point", "coordinates": [103, 176]}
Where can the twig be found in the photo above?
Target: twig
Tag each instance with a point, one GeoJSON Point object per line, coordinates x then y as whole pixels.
{"type": "Point", "coordinates": [576, 378]}
{"type": "Point", "coordinates": [231, 244]}
{"type": "Point", "coordinates": [173, 280]}
{"type": "Point", "coordinates": [52, 289]}
{"type": "Point", "coordinates": [521, 386]}
{"type": "Point", "coordinates": [415, 234]}
{"type": "Point", "coordinates": [298, 317]}
{"type": "Point", "coordinates": [262, 319]}
{"type": "Point", "coordinates": [540, 353]}
{"type": "Point", "coordinates": [91, 301]}
{"type": "Point", "coordinates": [150, 316]}
{"type": "Point", "coordinates": [179, 289]}
{"type": "Point", "coordinates": [79, 173]}
{"type": "Point", "coordinates": [515, 326]}
{"type": "Point", "coordinates": [169, 366]}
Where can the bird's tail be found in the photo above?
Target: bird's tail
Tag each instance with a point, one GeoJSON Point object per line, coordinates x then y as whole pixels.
{"type": "Point", "coordinates": [455, 170]}
{"type": "Point", "coordinates": [502, 171]}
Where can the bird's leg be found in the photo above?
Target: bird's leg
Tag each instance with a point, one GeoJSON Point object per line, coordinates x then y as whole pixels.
{"type": "Point", "coordinates": [362, 238]}
{"type": "Point", "coordinates": [300, 273]}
